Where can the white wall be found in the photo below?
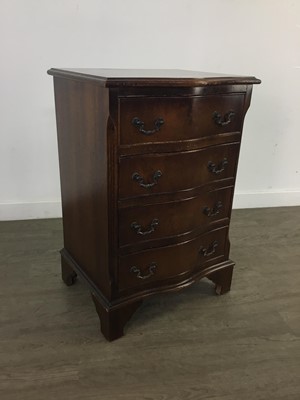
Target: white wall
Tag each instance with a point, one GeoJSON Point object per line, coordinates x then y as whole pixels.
{"type": "Point", "coordinates": [258, 37]}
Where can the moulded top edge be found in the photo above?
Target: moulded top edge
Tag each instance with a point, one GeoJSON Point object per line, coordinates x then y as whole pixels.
{"type": "Point", "coordinates": [151, 77]}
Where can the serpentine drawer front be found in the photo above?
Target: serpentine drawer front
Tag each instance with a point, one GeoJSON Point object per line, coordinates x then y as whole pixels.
{"type": "Point", "coordinates": [167, 119]}
{"type": "Point", "coordinates": [174, 218]}
{"type": "Point", "coordinates": [152, 265]}
{"type": "Point", "coordinates": [158, 173]}
{"type": "Point", "coordinates": [148, 161]}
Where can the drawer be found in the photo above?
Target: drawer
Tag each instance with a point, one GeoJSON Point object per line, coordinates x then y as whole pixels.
{"type": "Point", "coordinates": [150, 222]}
{"type": "Point", "coordinates": [161, 119]}
{"type": "Point", "coordinates": [171, 172]}
{"type": "Point", "coordinates": [166, 262]}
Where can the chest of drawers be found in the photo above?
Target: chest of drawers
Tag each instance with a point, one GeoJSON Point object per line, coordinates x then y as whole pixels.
{"type": "Point", "coordinates": [148, 161]}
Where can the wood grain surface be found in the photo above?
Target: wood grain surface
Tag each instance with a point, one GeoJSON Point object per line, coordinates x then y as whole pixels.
{"type": "Point", "coordinates": [184, 118]}
{"type": "Point", "coordinates": [150, 77]}
{"type": "Point", "coordinates": [96, 121]}
{"type": "Point", "coordinates": [189, 345]}
{"type": "Point", "coordinates": [172, 178]}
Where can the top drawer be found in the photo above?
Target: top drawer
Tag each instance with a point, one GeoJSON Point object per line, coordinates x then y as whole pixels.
{"type": "Point", "coordinates": [163, 119]}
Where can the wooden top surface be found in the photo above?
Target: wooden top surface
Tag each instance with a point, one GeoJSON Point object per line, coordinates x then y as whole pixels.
{"type": "Point", "coordinates": [151, 77]}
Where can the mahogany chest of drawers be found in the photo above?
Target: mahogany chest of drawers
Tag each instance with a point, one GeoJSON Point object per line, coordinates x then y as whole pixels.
{"type": "Point", "coordinates": [148, 161]}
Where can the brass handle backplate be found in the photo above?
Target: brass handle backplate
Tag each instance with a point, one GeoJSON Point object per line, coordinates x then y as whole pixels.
{"type": "Point", "coordinates": [215, 210]}
{"type": "Point", "coordinates": [140, 125]}
{"type": "Point", "coordinates": [138, 228]}
{"type": "Point", "coordinates": [140, 180]}
{"type": "Point", "coordinates": [210, 250]}
{"type": "Point", "coordinates": [225, 120]}
{"type": "Point", "coordinates": [217, 169]}
{"type": "Point", "coordinates": [137, 272]}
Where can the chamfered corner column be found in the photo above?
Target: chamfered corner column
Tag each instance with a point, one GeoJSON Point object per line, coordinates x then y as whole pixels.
{"type": "Point", "coordinates": [113, 321]}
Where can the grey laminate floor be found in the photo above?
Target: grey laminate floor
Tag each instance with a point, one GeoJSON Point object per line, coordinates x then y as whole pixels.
{"type": "Point", "coordinates": [191, 345]}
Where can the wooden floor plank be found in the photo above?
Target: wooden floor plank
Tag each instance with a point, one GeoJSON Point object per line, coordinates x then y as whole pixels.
{"type": "Point", "coordinates": [190, 345]}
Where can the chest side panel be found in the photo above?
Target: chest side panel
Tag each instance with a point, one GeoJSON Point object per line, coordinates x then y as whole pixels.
{"type": "Point", "coordinates": [82, 115]}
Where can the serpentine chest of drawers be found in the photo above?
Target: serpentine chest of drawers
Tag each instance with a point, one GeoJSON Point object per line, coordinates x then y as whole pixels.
{"type": "Point", "coordinates": [148, 161]}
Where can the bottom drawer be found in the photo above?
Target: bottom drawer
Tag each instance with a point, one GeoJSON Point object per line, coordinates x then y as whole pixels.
{"type": "Point", "coordinates": [153, 265]}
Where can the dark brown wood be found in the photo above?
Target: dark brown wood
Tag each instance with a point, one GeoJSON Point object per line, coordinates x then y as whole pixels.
{"type": "Point", "coordinates": [179, 259]}
{"type": "Point", "coordinates": [222, 279]}
{"type": "Point", "coordinates": [184, 118]}
{"type": "Point", "coordinates": [67, 273]}
{"type": "Point", "coordinates": [174, 217]}
{"type": "Point", "coordinates": [82, 112]}
{"type": "Point", "coordinates": [183, 145]}
{"type": "Point", "coordinates": [151, 77]}
{"type": "Point", "coordinates": [112, 322]}
{"type": "Point", "coordinates": [148, 161]}
{"type": "Point", "coordinates": [194, 170]}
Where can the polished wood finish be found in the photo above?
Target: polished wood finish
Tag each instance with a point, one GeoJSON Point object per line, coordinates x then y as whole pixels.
{"type": "Point", "coordinates": [151, 77]}
{"type": "Point", "coordinates": [175, 218]}
{"type": "Point", "coordinates": [222, 279]}
{"type": "Point", "coordinates": [81, 114]}
{"type": "Point", "coordinates": [179, 259]}
{"type": "Point", "coordinates": [194, 170]}
{"type": "Point", "coordinates": [114, 320]}
{"type": "Point", "coordinates": [192, 119]}
{"type": "Point", "coordinates": [148, 166]}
